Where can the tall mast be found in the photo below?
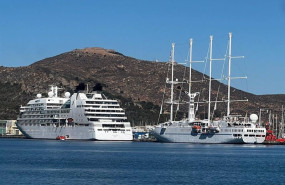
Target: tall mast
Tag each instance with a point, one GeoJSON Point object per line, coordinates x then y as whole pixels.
{"type": "Point", "coordinates": [190, 80]}
{"type": "Point", "coordinates": [276, 125]}
{"type": "Point", "coordinates": [190, 65]}
{"type": "Point", "coordinates": [172, 81]}
{"type": "Point", "coordinates": [269, 117]}
{"type": "Point", "coordinates": [210, 79]}
{"type": "Point", "coordinates": [273, 121]}
{"type": "Point", "coordinates": [191, 110]}
{"type": "Point", "coordinates": [229, 77]}
{"type": "Point", "coordinates": [280, 125]}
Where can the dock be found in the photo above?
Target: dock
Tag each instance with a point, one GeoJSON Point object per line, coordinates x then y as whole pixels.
{"type": "Point", "coordinates": [12, 136]}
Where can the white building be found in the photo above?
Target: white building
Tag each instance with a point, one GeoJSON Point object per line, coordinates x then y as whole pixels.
{"type": "Point", "coordinates": [8, 127]}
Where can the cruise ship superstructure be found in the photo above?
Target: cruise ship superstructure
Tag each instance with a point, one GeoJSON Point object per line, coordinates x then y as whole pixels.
{"type": "Point", "coordinates": [83, 116]}
{"type": "Point", "coordinates": [230, 129]}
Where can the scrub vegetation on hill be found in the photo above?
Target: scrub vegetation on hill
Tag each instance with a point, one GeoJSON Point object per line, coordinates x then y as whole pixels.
{"type": "Point", "coordinates": [137, 84]}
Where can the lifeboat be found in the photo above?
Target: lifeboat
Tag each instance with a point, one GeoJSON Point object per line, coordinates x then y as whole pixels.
{"type": "Point", "coordinates": [62, 138]}
{"type": "Point", "coordinates": [69, 120]}
{"type": "Point", "coordinates": [196, 128]}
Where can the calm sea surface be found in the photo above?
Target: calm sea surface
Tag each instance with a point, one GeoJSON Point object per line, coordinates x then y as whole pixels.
{"type": "Point", "coordinates": [24, 161]}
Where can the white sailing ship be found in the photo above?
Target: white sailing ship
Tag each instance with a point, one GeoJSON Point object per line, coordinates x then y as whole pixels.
{"type": "Point", "coordinates": [231, 129]}
{"type": "Point", "coordinates": [83, 116]}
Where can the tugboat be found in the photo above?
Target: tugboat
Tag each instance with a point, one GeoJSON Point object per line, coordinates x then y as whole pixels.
{"type": "Point", "coordinates": [271, 137]}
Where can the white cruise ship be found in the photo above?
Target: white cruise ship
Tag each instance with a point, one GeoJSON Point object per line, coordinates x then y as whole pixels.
{"type": "Point", "coordinates": [230, 129]}
{"type": "Point", "coordinates": [83, 116]}
{"type": "Point", "coordinates": [217, 132]}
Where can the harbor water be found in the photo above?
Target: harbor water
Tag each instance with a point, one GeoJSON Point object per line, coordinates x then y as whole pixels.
{"type": "Point", "coordinates": [24, 161]}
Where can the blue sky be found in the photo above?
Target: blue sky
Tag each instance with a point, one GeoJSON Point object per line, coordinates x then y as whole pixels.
{"type": "Point", "coordinates": [32, 30]}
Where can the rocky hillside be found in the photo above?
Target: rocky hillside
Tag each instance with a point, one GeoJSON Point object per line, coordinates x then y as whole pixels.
{"type": "Point", "coordinates": [138, 84]}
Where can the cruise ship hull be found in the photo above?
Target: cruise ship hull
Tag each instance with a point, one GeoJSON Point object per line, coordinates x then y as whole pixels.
{"type": "Point", "coordinates": [187, 135]}
{"type": "Point", "coordinates": [74, 133]}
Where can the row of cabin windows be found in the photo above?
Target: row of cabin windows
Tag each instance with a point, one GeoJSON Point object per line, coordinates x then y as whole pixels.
{"type": "Point", "coordinates": [237, 135]}
{"type": "Point", "coordinates": [113, 120]}
{"type": "Point", "coordinates": [89, 106]}
{"type": "Point", "coordinates": [32, 113]}
{"type": "Point", "coordinates": [36, 121]}
{"type": "Point", "coordinates": [115, 130]}
{"type": "Point", "coordinates": [48, 112]}
{"type": "Point", "coordinates": [251, 130]}
{"type": "Point", "coordinates": [232, 130]}
{"type": "Point", "coordinates": [111, 129]}
{"type": "Point", "coordinates": [98, 106]}
{"type": "Point", "coordinates": [101, 102]}
{"type": "Point", "coordinates": [100, 110]}
{"type": "Point", "coordinates": [37, 105]}
{"type": "Point", "coordinates": [242, 124]}
{"type": "Point", "coordinates": [248, 135]}
{"type": "Point", "coordinates": [47, 120]}
{"type": "Point", "coordinates": [114, 125]}
{"type": "Point", "coordinates": [52, 111]}
{"type": "Point", "coordinates": [252, 135]}
{"type": "Point", "coordinates": [54, 104]}
{"type": "Point", "coordinates": [40, 108]}
{"type": "Point", "coordinates": [48, 108]}
{"type": "Point", "coordinates": [39, 116]}
{"type": "Point", "coordinates": [107, 115]}
{"type": "Point", "coordinates": [241, 130]}
{"type": "Point", "coordinates": [52, 124]}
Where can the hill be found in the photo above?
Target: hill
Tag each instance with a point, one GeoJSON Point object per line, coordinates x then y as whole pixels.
{"type": "Point", "coordinates": [138, 84]}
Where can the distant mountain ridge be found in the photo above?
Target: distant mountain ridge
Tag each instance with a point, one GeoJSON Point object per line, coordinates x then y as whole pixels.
{"type": "Point", "coordinates": [137, 83]}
